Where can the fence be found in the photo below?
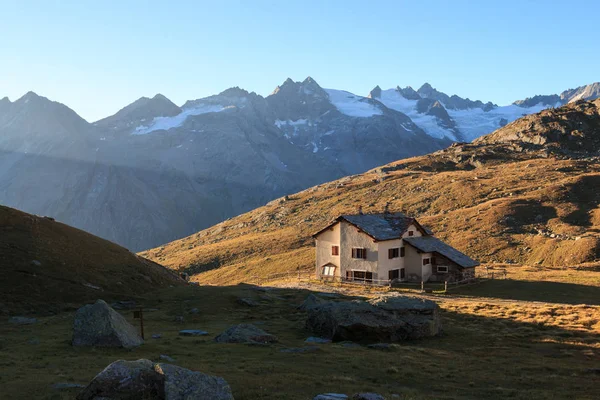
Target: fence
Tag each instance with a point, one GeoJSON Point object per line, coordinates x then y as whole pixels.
{"type": "Point", "coordinates": [483, 274]}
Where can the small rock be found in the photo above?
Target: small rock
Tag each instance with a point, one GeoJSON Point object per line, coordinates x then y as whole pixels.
{"type": "Point", "coordinates": [330, 396]}
{"type": "Point", "coordinates": [166, 358]}
{"type": "Point", "coordinates": [367, 396]}
{"type": "Point", "coordinates": [314, 339]}
{"type": "Point", "coordinates": [123, 305]}
{"type": "Point", "coordinates": [22, 320]}
{"type": "Point", "coordinates": [245, 333]}
{"type": "Point", "coordinates": [156, 336]}
{"type": "Point", "coordinates": [245, 301]}
{"type": "Point", "coordinates": [66, 385]}
{"type": "Point", "coordinates": [36, 263]}
{"type": "Point", "coordinates": [179, 319]}
{"type": "Point", "coordinates": [307, 349]}
{"type": "Point", "coordinates": [311, 302]}
{"type": "Point", "coordinates": [383, 346]}
{"type": "Point", "coordinates": [192, 332]}
{"type": "Point", "coordinates": [194, 311]}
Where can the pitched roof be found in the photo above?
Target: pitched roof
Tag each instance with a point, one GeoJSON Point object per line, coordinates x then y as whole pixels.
{"type": "Point", "coordinates": [430, 244]}
{"type": "Point", "coordinates": [385, 226]}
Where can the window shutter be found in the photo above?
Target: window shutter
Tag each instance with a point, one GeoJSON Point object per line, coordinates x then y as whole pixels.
{"type": "Point", "coordinates": [364, 254]}
{"type": "Point", "coordinates": [391, 253]}
{"type": "Point", "coordinates": [401, 251]}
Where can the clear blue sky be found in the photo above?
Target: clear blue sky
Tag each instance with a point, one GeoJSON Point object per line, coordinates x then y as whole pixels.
{"type": "Point", "coordinates": [98, 56]}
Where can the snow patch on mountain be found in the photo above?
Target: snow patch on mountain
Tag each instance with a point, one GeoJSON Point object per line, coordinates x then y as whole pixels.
{"type": "Point", "coordinates": [166, 123]}
{"type": "Point", "coordinates": [352, 105]}
{"type": "Point", "coordinates": [475, 122]}
{"type": "Point", "coordinates": [391, 98]}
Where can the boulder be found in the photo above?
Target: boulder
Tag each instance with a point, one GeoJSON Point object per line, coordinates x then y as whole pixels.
{"type": "Point", "coordinates": [385, 319]}
{"type": "Point", "coordinates": [245, 333]}
{"type": "Point", "coordinates": [143, 379]}
{"type": "Point", "coordinates": [99, 325]}
{"type": "Point", "coordinates": [311, 301]}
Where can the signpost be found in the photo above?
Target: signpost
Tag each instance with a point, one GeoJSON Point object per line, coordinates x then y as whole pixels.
{"type": "Point", "coordinates": [139, 314]}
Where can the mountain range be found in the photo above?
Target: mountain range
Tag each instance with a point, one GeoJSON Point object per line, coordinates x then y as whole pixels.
{"type": "Point", "coordinates": [525, 194]}
{"type": "Point", "coordinates": [155, 171]}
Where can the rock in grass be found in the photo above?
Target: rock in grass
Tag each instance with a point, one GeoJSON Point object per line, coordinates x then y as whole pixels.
{"type": "Point", "coordinates": [99, 325]}
{"type": "Point", "coordinates": [319, 340]}
{"type": "Point", "coordinates": [143, 379]}
{"type": "Point", "coordinates": [165, 357]}
{"type": "Point", "coordinates": [22, 320]}
{"type": "Point", "coordinates": [245, 333]}
{"type": "Point", "coordinates": [67, 385]}
{"type": "Point", "coordinates": [383, 346]}
{"type": "Point", "coordinates": [367, 396]}
{"type": "Point", "coordinates": [330, 396]}
{"type": "Point", "coordinates": [245, 301]}
{"type": "Point", "coordinates": [192, 332]}
{"type": "Point", "coordinates": [310, 302]}
{"type": "Point", "coordinates": [306, 349]}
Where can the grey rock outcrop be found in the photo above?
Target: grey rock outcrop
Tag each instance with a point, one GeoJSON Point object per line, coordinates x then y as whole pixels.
{"type": "Point", "coordinates": [245, 333]}
{"type": "Point", "coordinates": [143, 379]}
{"type": "Point", "coordinates": [385, 319]}
{"type": "Point", "coordinates": [99, 325]}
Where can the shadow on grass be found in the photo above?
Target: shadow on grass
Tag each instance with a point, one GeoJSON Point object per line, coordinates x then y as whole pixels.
{"type": "Point", "coordinates": [552, 292]}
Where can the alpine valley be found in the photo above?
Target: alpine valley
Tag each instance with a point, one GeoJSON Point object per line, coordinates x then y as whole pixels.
{"type": "Point", "coordinates": [155, 171]}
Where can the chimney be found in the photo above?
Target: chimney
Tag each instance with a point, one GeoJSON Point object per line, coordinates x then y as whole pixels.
{"type": "Point", "coordinates": [360, 211]}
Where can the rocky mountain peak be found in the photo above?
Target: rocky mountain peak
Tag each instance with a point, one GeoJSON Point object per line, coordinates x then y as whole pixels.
{"type": "Point", "coordinates": [375, 93]}
{"type": "Point", "coordinates": [235, 91]}
{"type": "Point", "coordinates": [408, 93]}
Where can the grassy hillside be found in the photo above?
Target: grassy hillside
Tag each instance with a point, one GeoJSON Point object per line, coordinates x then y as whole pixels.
{"type": "Point", "coordinates": [526, 194]}
{"type": "Point", "coordinates": [46, 266]}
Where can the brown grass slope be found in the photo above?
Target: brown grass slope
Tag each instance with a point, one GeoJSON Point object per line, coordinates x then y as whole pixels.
{"type": "Point", "coordinates": [528, 193]}
{"type": "Point", "coordinates": [46, 266]}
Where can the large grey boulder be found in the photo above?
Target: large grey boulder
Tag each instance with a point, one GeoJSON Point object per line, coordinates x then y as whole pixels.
{"type": "Point", "coordinates": [99, 325]}
{"type": "Point", "coordinates": [385, 319]}
{"type": "Point", "coordinates": [245, 333]}
{"type": "Point", "coordinates": [143, 379]}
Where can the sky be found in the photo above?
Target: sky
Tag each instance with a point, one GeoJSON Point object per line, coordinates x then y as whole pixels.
{"type": "Point", "coordinates": [98, 56]}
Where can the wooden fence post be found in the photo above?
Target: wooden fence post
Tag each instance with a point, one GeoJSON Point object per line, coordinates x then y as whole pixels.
{"type": "Point", "coordinates": [445, 286]}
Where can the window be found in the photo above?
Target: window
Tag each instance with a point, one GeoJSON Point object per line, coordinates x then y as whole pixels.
{"type": "Point", "coordinates": [335, 250]}
{"type": "Point", "coordinates": [410, 233]}
{"type": "Point", "coordinates": [394, 253]}
{"type": "Point", "coordinates": [402, 252]}
{"type": "Point", "coordinates": [426, 261]}
{"type": "Point", "coordinates": [362, 276]}
{"type": "Point", "coordinates": [397, 274]}
{"type": "Point", "coordinates": [328, 270]}
{"type": "Point", "coordinates": [442, 269]}
{"type": "Point", "coordinates": [359, 253]}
